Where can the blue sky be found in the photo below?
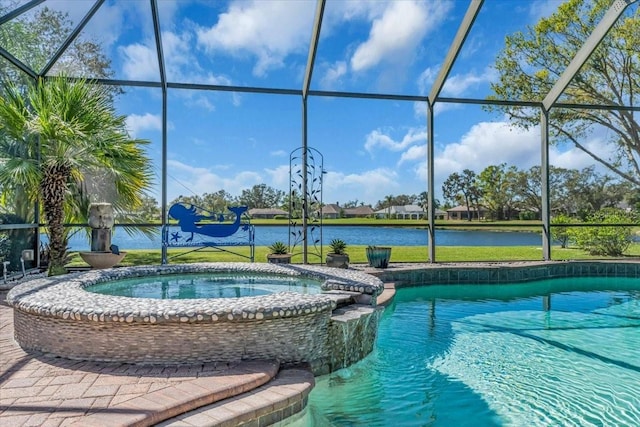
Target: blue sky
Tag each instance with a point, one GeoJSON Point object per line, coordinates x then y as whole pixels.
{"type": "Point", "coordinates": [371, 148]}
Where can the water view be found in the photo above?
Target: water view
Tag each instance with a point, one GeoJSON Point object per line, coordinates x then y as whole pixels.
{"type": "Point", "coordinates": [352, 235]}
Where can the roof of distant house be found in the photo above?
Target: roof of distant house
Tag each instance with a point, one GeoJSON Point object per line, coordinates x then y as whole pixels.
{"type": "Point", "coordinates": [406, 209]}
{"type": "Point", "coordinates": [359, 210]}
{"type": "Point", "coordinates": [331, 208]}
{"type": "Point", "coordinates": [463, 208]}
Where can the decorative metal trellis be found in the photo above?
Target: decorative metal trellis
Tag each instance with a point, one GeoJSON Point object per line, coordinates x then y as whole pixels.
{"type": "Point", "coordinates": [305, 202]}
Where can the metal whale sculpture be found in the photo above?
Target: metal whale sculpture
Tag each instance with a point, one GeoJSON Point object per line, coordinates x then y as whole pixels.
{"type": "Point", "coordinates": [188, 218]}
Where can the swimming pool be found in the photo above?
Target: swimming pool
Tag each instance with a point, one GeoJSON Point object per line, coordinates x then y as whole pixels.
{"type": "Point", "coordinates": [212, 285]}
{"type": "Point", "coordinates": [552, 352]}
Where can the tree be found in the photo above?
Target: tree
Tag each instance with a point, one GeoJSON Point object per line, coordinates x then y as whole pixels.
{"type": "Point", "coordinates": [149, 209]}
{"type": "Point", "coordinates": [497, 184]}
{"type": "Point", "coordinates": [605, 240]}
{"type": "Point", "coordinates": [465, 188]}
{"type": "Point", "coordinates": [529, 189]}
{"type": "Point", "coordinates": [34, 39]}
{"type": "Point", "coordinates": [560, 232]}
{"type": "Point", "coordinates": [571, 191]}
{"type": "Point", "coordinates": [423, 201]}
{"type": "Point", "coordinates": [531, 62]}
{"type": "Point", "coordinates": [57, 135]}
{"type": "Point", "coordinates": [352, 204]}
{"type": "Point", "coordinates": [261, 196]}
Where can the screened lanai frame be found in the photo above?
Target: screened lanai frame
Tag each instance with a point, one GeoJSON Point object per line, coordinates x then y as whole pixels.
{"type": "Point", "coordinates": [549, 102]}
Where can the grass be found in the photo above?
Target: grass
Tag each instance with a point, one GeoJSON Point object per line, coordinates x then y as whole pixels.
{"type": "Point", "coordinates": [357, 255]}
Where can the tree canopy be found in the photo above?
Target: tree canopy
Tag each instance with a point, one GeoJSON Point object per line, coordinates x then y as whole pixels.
{"type": "Point", "coordinates": [57, 138]}
{"type": "Point", "coordinates": [532, 61]}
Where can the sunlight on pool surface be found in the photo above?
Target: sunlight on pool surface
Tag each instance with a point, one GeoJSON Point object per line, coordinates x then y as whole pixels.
{"type": "Point", "coordinates": [492, 356]}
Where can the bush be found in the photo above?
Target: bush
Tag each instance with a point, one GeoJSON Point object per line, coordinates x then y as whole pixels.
{"type": "Point", "coordinates": [279, 248]}
{"type": "Point", "coordinates": [560, 233]}
{"type": "Point", "coordinates": [527, 215]}
{"type": "Point", "coordinates": [603, 240]}
{"type": "Point", "coordinates": [338, 247]}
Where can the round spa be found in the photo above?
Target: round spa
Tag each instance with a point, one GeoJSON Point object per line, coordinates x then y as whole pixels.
{"type": "Point", "coordinates": [59, 315]}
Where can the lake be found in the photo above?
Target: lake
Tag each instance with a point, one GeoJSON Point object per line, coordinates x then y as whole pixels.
{"type": "Point", "coordinates": [352, 235]}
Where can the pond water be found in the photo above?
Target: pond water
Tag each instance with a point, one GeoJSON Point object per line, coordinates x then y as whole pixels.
{"type": "Point", "coordinates": [352, 235]}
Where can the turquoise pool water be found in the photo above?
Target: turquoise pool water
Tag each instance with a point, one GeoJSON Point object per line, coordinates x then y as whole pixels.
{"type": "Point", "coordinates": [210, 285]}
{"type": "Point", "coordinates": [495, 356]}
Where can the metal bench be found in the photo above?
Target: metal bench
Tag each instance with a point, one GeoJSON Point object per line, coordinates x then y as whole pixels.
{"type": "Point", "coordinates": [190, 226]}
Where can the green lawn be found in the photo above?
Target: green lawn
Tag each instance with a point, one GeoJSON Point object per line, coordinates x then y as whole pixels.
{"type": "Point", "coordinates": [357, 254]}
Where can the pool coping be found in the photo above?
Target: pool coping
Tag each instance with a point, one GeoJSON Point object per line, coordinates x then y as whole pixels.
{"type": "Point", "coordinates": [417, 274]}
{"type": "Point", "coordinates": [64, 296]}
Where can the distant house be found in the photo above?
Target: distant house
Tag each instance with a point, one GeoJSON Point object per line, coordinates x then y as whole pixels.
{"type": "Point", "coordinates": [460, 213]}
{"type": "Point", "coordinates": [330, 211]}
{"type": "Point", "coordinates": [267, 213]}
{"type": "Point", "coordinates": [439, 214]}
{"type": "Point", "coordinates": [402, 212]}
{"type": "Point", "coordinates": [357, 212]}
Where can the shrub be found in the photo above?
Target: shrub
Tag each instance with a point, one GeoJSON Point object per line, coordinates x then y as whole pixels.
{"type": "Point", "coordinates": [527, 215]}
{"type": "Point", "coordinates": [279, 248]}
{"type": "Point", "coordinates": [338, 246]}
{"type": "Point", "coordinates": [603, 240]}
{"type": "Point", "coordinates": [560, 233]}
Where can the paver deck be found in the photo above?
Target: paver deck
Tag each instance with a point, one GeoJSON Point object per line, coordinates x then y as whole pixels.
{"type": "Point", "coordinates": [40, 390]}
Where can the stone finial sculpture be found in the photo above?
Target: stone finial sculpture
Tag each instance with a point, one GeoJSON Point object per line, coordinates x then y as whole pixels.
{"type": "Point", "coordinates": [101, 221]}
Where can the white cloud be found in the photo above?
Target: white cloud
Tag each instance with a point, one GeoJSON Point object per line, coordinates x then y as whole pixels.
{"type": "Point", "coordinates": [333, 75]}
{"type": "Point", "coordinates": [489, 143]}
{"type": "Point", "coordinates": [426, 79]}
{"type": "Point", "coordinates": [140, 62]}
{"type": "Point", "coordinates": [396, 33]}
{"type": "Point", "coordinates": [378, 138]}
{"type": "Point", "coordinates": [279, 177]}
{"type": "Point", "coordinates": [137, 123]}
{"type": "Point", "coordinates": [369, 186]}
{"type": "Point", "coordinates": [456, 85]}
{"type": "Point", "coordinates": [492, 143]}
{"type": "Point", "coordinates": [416, 152]}
{"type": "Point", "coordinates": [543, 8]}
{"type": "Point", "coordinates": [267, 30]}
{"type": "Point", "coordinates": [187, 180]}
{"type": "Point", "coordinates": [574, 158]}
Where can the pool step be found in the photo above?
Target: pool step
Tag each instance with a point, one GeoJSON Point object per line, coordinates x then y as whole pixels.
{"type": "Point", "coordinates": [282, 397]}
{"type": "Point", "coordinates": [185, 396]}
{"type": "Point", "coordinates": [345, 298]}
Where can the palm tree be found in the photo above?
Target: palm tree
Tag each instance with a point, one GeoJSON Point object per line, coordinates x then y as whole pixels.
{"type": "Point", "coordinates": [389, 201]}
{"type": "Point", "coordinates": [57, 134]}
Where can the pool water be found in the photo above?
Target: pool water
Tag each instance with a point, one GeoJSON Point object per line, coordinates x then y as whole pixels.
{"type": "Point", "coordinates": [209, 285]}
{"type": "Point", "coordinates": [561, 352]}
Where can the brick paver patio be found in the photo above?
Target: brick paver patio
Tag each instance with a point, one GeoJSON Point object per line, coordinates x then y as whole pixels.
{"type": "Point", "coordinates": [40, 390]}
